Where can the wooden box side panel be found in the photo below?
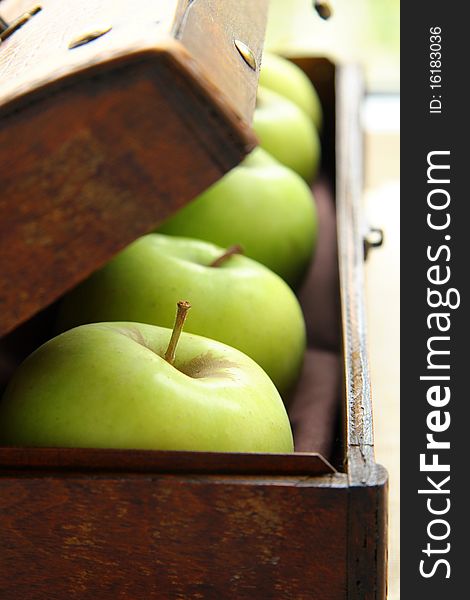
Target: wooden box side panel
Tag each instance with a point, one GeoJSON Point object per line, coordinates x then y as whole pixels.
{"type": "Point", "coordinates": [367, 531]}
{"type": "Point", "coordinates": [168, 537]}
{"type": "Point", "coordinates": [367, 527]}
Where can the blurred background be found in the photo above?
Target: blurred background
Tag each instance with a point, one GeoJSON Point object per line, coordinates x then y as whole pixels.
{"type": "Point", "coordinates": [365, 31]}
{"type": "Point", "coordinates": [368, 32]}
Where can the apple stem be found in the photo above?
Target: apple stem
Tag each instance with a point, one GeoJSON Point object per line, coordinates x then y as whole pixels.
{"type": "Point", "coordinates": [236, 249]}
{"type": "Point", "coordinates": [181, 313]}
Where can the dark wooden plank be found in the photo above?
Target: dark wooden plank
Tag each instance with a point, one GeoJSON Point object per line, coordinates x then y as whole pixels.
{"type": "Point", "coordinates": [367, 527]}
{"type": "Point", "coordinates": [166, 537]}
{"type": "Point", "coordinates": [148, 461]}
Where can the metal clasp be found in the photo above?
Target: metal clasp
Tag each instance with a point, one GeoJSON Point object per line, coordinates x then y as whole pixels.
{"type": "Point", "coordinates": [6, 29]}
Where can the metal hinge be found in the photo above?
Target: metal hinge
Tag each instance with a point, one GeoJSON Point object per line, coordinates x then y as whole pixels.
{"type": "Point", "coordinates": [6, 29]}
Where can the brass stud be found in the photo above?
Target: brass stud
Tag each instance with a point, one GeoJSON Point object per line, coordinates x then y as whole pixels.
{"type": "Point", "coordinates": [246, 54]}
{"type": "Point", "coordinates": [6, 29]}
{"type": "Point", "coordinates": [88, 37]}
{"type": "Point", "coordinates": [323, 9]}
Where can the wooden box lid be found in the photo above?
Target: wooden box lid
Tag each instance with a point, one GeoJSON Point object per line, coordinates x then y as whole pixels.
{"type": "Point", "coordinates": [112, 115]}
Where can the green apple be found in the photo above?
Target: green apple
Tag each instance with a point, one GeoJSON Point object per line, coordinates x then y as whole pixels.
{"type": "Point", "coordinates": [239, 303]}
{"type": "Point", "coordinates": [284, 77]}
{"type": "Point", "coordinates": [262, 205]}
{"type": "Point", "coordinates": [109, 385]}
{"type": "Point", "coordinates": [287, 133]}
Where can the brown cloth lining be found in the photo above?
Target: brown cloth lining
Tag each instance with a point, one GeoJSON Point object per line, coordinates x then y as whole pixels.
{"type": "Point", "coordinates": [314, 407]}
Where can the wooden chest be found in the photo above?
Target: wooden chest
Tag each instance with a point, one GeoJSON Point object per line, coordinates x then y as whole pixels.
{"type": "Point", "coordinates": [79, 523]}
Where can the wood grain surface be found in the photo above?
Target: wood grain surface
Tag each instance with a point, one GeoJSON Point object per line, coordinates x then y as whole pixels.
{"type": "Point", "coordinates": [100, 142]}
{"type": "Point", "coordinates": [167, 537]}
{"type": "Point", "coordinates": [84, 460]}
